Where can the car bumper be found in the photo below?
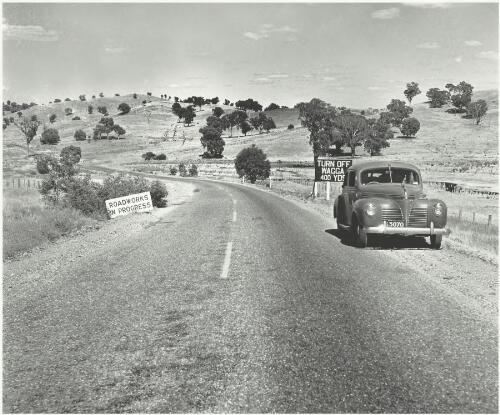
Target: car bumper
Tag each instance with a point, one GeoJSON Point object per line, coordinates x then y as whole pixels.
{"type": "Point", "coordinates": [386, 230]}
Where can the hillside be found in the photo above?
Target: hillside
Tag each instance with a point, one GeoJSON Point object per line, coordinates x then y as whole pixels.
{"type": "Point", "coordinates": [446, 147]}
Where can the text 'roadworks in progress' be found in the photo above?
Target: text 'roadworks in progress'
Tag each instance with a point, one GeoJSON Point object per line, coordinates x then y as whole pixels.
{"type": "Point", "coordinates": [140, 202]}
{"type": "Point", "coordinates": [330, 169]}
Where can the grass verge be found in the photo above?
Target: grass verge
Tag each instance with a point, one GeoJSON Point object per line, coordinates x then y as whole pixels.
{"type": "Point", "coordinates": [28, 223]}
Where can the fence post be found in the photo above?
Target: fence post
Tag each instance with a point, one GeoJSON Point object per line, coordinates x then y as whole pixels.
{"type": "Point", "coordinates": [327, 190]}
{"type": "Point", "coordinates": [489, 220]}
{"type": "Point", "coordinates": [18, 182]}
{"type": "Point", "coordinates": [460, 214]}
{"type": "Point", "coordinates": [315, 190]}
{"type": "Point", "coordinates": [473, 217]}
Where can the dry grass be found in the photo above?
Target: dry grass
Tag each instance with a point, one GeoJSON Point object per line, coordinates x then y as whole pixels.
{"type": "Point", "coordinates": [27, 223]}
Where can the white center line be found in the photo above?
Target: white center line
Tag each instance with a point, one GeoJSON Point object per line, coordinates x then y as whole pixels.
{"type": "Point", "coordinates": [227, 261]}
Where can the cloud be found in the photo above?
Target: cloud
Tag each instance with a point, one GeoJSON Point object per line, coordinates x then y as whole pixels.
{"type": "Point", "coordinates": [268, 28]}
{"type": "Point", "coordinates": [458, 59]}
{"type": "Point", "coordinates": [255, 36]}
{"type": "Point", "coordinates": [429, 45]}
{"type": "Point", "coordinates": [489, 54]}
{"type": "Point", "coordinates": [278, 75]}
{"type": "Point", "coordinates": [385, 14]}
{"type": "Point", "coordinates": [376, 88]}
{"type": "Point", "coordinates": [328, 78]}
{"type": "Point", "coordinates": [429, 5]}
{"type": "Point", "coordinates": [472, 43]}
{"type": "Point", "coordinates": [113, 50]}
{"type": "Point", "coordinates": [33, 33]}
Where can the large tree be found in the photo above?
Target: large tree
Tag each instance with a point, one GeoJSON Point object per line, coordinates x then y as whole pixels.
{"type": "Point", "coordinates": [461, 95]}
{"type": "Point", "coordinates": [399, 111]}
{"type": "Point", "coordinates": [377, 135]}
{"type": "Point", "coordinates": [212, 142]}
{"type": "Point", "coordinates": [29, 128]}
{"type": "Point", "coordinates": [352, 129]}
{"type": "Point", "coordinates": [252, 163]}
{"type": "Point", "coordinates": [249, 104]}
{"type": "Point", "coordinates": [318, 117]}
{"type": "Point", "coordinates": [411, 91]}
{"type": "Point", "coordinates": [410, 127]}
{"type": "Point", "coordinates": [437, 97]}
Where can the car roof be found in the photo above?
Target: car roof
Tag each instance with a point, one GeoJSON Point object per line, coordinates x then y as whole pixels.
{"type": "Point", "coordinates": [369, 164]}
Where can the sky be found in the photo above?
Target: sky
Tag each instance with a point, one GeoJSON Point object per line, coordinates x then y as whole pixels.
{"type": "Point", "coordinates": [357, 55]}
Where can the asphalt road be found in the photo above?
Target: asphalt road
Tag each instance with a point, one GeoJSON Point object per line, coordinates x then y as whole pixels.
{"type": "Point", "coordinates": [240, 301]}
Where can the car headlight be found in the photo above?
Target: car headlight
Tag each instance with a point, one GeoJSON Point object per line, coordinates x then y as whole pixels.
{"type": "Point", "coordinates": [370, 209]}
{"type": "Point", "coordinates": [438, 209]}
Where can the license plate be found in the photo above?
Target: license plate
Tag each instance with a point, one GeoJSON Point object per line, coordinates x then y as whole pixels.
{"type": "Point", "coordinates": [394, 223]}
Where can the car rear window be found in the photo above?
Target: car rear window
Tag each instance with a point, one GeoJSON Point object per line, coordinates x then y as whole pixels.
{"type": "Point", "coordinates": [386, 175]}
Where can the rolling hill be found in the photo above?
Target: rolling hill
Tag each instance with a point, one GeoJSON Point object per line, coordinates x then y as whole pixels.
{"type": "Point", "coordinates": [446, 145]}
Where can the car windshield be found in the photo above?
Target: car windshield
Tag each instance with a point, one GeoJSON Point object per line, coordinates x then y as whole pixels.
{"type": "Point", "coordinates": [386, 175]}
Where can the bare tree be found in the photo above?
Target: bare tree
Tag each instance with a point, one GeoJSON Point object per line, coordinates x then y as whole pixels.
{"type": "Point", "coordinates": [28, 127]}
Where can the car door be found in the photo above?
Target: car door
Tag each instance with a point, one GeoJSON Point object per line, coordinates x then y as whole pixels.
{"type": "Point", "coordinates": [348, 194]}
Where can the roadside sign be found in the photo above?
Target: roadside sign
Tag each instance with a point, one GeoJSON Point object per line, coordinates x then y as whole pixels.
{"type": "Point", "coordinates": [119, 206]}
{"type": "Point", "coordinates": [331, 169]}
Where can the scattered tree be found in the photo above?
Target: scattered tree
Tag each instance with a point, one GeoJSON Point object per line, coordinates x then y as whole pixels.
{"type": "Point", "coordinates": [101, 95]}
{"type": "Point", "coordinates": [67, 99]}
{"type": "Point", "coordinates": [29, 129]}
{"type": "Point", "coordinates": [82, 97]}
{"type": "Point", "coordinates": [80, 135]}
{"type": "Point", "coordinates": [68, 111]}
{"type": "Point", "coordinates": [226, 102]}
{"type": "Point", "coordinates": [245, 127]}
{"type": "Point", "coordinates": [102, 110]}
{"type": "Point", "coordinates": [158, 193]}
{"type": "Point", "coordinates": [173, 171]}
{"type": "Point", "coordinates": [411, 91]}
{"type": "Point", "coordinates": [377, 136]}
{"type": "Point", "coordinates": [182, 169]}
{"type": "Point", "coordinates": [399, 111]}
{"type": "Point", "coordinates": [52, 118]}
{"type": "Point", "coordinates": [249, 104]}
{"type": "Point", "coordinates": [352, 129]}
{"type": "Point", "coordinates": [57, 100]}
{"type": "Point", "coordinates": [77, 118]}
{"type": "Point", "coordinates": [437, 97]}
{"type": "Point", "coordinates": [477, 110]}
{"type": "Point", "coordinates": [252, 163]}
{"type": "Point", "coordinates": [124, 108]}
{"type": "Point", "coordinates": [461, 95]}
{"type": "Point", "coordinates": [148, 156]}
{"type": "Point", "coordinates": [50, 136]}
{"type": "Point", "coordinates": [211, 141]}
{"type": "Point", "coordinates": [215, 100]}
{"type": "Point", "coordinates": [291, 126]}
{"type": "Point", "coordinates": [134, 95]}
{"type": "Point", "coordinates": [119, 130]}
{"type": "Point", "coordinates": [218, 112]}
{"type": "Point", "coordinates": [90, 109]}
{"type": "Point", "coordinates": [272, 106]}
{"type": "Point", "coordinates": [410, 127]}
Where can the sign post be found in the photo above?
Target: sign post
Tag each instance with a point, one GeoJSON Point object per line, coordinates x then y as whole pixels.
{"type": "Point", "coordinates": [330, 170]}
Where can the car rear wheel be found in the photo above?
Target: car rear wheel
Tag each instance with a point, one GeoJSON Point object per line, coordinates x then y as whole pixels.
{"type": "Point", "coordinates": [436, 241]}
{"type": "Point", "coordinates": [359, 235]}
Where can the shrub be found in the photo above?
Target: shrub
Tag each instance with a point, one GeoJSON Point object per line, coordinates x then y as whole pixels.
{"type": "Point", "coordinates": [80, 135]}
{"type": "Point", "coordinates": [124, 108]}
{"type": "Point", "coordinates": [71, 155]}
{"type": "Point", "coordinates": [477, 110]}
{"type": "Point", "coordinates": [148, 156]}
{"type": "Point", "coordinates": [90, 109]}
{"type": "Point", "coordinates": [144, 102]}
{"type": "Point", "coordinates": [50, 136]}
{"type": "Point", "coordinates": [134, 95]}
{"type": "Point", "coordinates": [77, 118]}
{"type": "Point", "coordinates": [161, 157]}
{"type": "Point", "coordinates": [102, 109]}
{"type": "Point", "coordinates": [57, 100]}
{"type": "Point", "coordinates": [119, 130]}
{"type": "Point", "coordinates": [52, 118]}
{"type": "Point", "coordinates": [252, 163]}
{"type": "Point", "coordinates": [193, 170]}
{"type": "Point", "coordinates": [34, 118]}
{"type": "Point", "coordinates": [173, 171]}
{"type": "Point", "coordinates": [410, 127]}
{"type": "Point", "coordinates": [68, 111]}
{"type": "Point", "coordinates": [83, 194]}
{"type": "Point", "coordinates": [67, 99]}
{"type": "Point", "coordinates": [116, 186]}
{"type": "Point", "coordinates": [43, 163]}
{"type": "Point", "coordinates": [182, 169]}
{"type": "Point", "coordinates": [158, 194]}
{"type": "Point", "coordinates": [291, 126]}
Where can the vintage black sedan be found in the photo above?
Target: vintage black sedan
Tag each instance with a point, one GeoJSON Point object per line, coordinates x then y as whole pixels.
{"type": "Point", "coordinates": [387, 197]}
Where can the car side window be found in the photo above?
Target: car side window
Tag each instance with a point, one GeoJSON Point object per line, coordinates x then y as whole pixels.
{"type": "Point", "coordinates": [345, 179]}
{"type": "Point", "coordinates": [352, 176]}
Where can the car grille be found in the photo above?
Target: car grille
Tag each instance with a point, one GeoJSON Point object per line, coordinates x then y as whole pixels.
{"type": "Point", "coordinates": [391, 214]}
{"type": "Point", "coordinates": [418, 217]}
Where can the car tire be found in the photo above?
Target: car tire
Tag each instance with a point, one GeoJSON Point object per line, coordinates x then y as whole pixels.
{"type": "Point", "coordinates": [360, 237]}
{"type": "Point", "coordinates": [436, 241]}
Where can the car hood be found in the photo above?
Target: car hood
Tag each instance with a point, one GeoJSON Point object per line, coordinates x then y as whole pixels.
{"type": "Point", "coordinates": [391, 191]}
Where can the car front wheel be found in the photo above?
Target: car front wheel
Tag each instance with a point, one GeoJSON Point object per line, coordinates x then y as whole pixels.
{"type": "Point", "coordinates": [359, 235]}
{"type": "Point", "coordinates": [436, 241]}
